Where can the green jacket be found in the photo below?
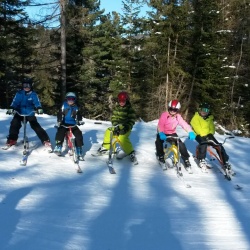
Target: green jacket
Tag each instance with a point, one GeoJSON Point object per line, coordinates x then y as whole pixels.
{"type": "Point", "coordinates": [203, 126]}
{"type": "Point", "coordinates": [124, 115]}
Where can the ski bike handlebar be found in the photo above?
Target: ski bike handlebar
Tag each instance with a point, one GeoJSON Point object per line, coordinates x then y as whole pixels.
{"type": "Point", "coordinates": [213, 143]}
{"type": "Point", "coordinates": [16, 112]}
{"type": "Point", "coordinates": [68, 126]}
{"type": "Point", "coordinates": [61, 125]}
{"type": "Point", "coordinates": [176, 137]}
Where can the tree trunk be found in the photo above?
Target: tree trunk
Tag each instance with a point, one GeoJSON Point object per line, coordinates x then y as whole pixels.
{"type": "Point", "coordinates": [63, 49]}
{"type": "Point", "coordinates": [167, 76]}
{"type": "Point", "coordinates": [233, 118]}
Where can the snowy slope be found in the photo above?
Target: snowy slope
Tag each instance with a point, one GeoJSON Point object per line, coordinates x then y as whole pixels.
{"type": "Point", "coordinates": [47, 205]}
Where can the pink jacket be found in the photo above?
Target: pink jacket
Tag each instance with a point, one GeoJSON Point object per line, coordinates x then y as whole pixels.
{"type": "Point", "coordinates": [167, 123]}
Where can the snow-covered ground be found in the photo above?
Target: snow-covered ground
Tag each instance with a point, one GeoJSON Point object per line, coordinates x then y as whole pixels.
{"type": "Point", "coordinates": [48, 205]}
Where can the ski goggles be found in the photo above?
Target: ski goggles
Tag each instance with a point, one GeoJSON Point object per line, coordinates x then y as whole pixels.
{"type": "Point", "coordinates": [206, 110]}
{"type": "Point", "coordinates": [71, 98]}
{"type": "Point", "coordinates": [26, 85]}
{"type": "Point", "coordinates": [173, 109]}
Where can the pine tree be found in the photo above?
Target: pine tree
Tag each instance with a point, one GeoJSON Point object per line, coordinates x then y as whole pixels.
{"type": "Point", "coordinates": [168, 50]}
{"type": "Point", "coordinates": [208, 53]}
{"type": "Point", "coordinates": [237, 21]}
{"type": "Point", "coordinates": [16, 43]}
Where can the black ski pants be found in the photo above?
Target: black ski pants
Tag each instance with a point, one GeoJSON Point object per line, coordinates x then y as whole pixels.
{"type": "Point", "coordinates": [16, 124]}
{"type": "Point", "coordinates": [61, 132]}
{"type": "Point", "coordinates": [202, 148]}
{"type": "Point", "coordinates": [182, 147]}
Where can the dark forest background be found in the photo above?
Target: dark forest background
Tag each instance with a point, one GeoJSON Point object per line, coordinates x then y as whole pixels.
{"type": "Point", "coordinates": [191, 50]}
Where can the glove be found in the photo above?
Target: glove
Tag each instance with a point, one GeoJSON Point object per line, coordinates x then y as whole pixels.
{"type": "Point", "coordinates": [209, 137]}
{"type": "Point", "coordinates": [79, 123]}
{"type": "Point", "coordinates": [116, 130]}
{"type": "Point", "coordinates": [58, 124]}
{"type": "Point", "coordinates": [39, 111]}
{"type": "Point", "coordinates": [191, 135]}
{"type": "Point", "coordinates": [123, 129]}
{"type": "Point", "coordinates": [10, 111]}
{"type": "Point", "coordinates": [162, 136]}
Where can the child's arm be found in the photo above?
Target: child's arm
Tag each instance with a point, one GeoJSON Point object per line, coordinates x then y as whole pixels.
{"type": "Point", "coordinates": [184, 124]}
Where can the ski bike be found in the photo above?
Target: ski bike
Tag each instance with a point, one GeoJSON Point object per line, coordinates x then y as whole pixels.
{"type": "Point", "coordinates": [115, 147]}
{"type": "Point", "coordinates": [25, 140]}
{"type": "Point", "coordinates": [71, 145]}
{"type": "Point", "coordinates": [173, 153]}
{"type": "Point", "coordinates": [217, 155]}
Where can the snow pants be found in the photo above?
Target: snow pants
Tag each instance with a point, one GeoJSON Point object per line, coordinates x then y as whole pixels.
{"type": "Point", "coordinates": [202, 148]}
{"type": "Point", "coordinates": [16, 124]}
{"type": "Point", "coordinates": [61, 132]}
{"type": "Point", "coordinates": [125, 142]}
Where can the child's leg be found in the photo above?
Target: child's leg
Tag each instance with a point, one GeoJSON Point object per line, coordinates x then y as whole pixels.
{"type": "Point", "coordinates": [126, 144]}
{"type": "Point", "coordinates": [224, 155]}
{"type": "Point", "coordinates": [41, 133]}
{"type": "Point", "coordinates": [78, 135]}
{"type": "Point", "coordinates": [15, 126]}
{"type": "Point", "coordinates": [159, 146]}
{"type": "Point", "coordinates": [106, 139]}
{"type": "Point", "coordinates": [60, 134]}
{"type": "Point", "coordinates": [202, 148]}
{"type": "Point", "coordinates": [183, 150]}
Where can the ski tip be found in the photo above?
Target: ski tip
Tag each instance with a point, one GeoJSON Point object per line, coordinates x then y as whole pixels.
{"type": "Point", "coordinates": [238, 187]}
{"type": "Point", "coordinates": [112, 171]}
{"type": "Point", "coordinates": [96, 155]}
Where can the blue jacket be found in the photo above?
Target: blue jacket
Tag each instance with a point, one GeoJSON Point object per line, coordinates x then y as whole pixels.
{"type": "Point", "coordinates": [69, 114]}
{"type": "Point", "coordinates": [24, 103]}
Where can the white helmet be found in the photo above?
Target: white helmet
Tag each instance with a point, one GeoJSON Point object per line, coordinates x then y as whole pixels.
{"type": "Point", "coordinates": [71, 94]}
{"type": "Point", "coordinates": [174, 105]}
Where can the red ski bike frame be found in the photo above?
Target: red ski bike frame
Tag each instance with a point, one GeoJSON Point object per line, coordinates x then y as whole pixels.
{"type": "Point", "coordinates": [71, 146]}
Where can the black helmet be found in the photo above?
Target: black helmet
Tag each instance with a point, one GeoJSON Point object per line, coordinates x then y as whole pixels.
{"type": "Point", "coordinates": [27, 83]}
{"type": "Point", "coordinates": [204, 107]}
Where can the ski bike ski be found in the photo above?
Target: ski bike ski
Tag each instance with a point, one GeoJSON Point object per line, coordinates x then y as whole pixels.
{"type": "Point", "coordinates": [216, 158]}
{"type": "Point", "coordinates": [173, 153]}
{"type": "Point", "coordinates": [71, 146]}
{"type": "Point", "coordinates": [109, 162]}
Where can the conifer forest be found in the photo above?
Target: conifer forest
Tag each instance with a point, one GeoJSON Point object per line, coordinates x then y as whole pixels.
{"type": "Point", "coordinates": [192, 50]}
